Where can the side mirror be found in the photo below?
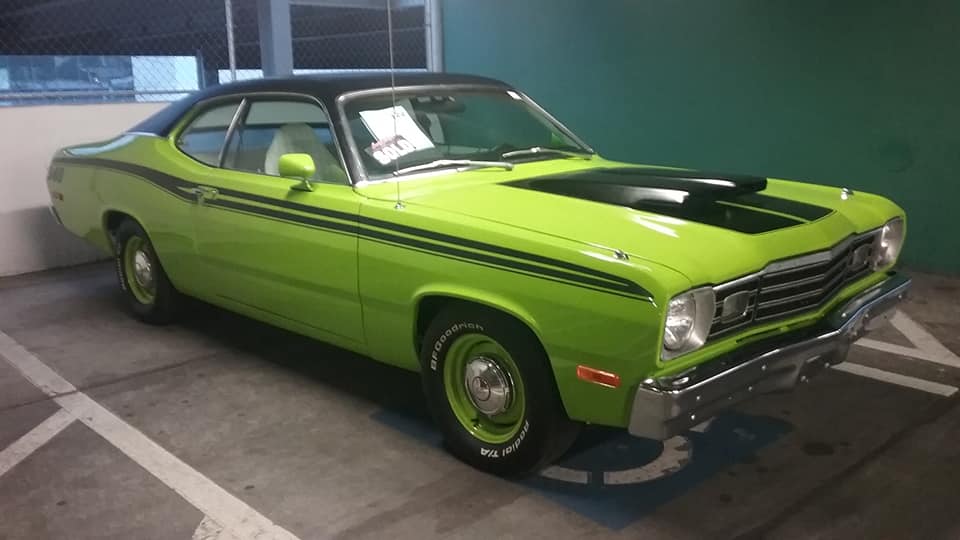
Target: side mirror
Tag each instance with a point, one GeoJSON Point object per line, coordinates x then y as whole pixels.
{"type": "Point", "coordinates": [299, 166]}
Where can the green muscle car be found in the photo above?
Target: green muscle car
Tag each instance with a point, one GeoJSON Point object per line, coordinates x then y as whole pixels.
{"type": "Point", "coordinates": [446, 224]}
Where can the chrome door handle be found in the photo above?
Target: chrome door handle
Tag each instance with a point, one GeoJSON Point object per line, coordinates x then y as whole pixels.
{"type": "Point", "coordinates": [204, 193]}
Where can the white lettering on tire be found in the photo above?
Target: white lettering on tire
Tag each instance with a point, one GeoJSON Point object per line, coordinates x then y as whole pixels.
{"type": "Point", "coordinates": [510, 448]}
{"type": "Point", "coordinates": [447, 334]}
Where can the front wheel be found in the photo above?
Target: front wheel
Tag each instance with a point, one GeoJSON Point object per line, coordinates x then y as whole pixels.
{"type": "Point", "coordinates": [150, 295]}
{"type": "Point", "coordinates": [489, 385]}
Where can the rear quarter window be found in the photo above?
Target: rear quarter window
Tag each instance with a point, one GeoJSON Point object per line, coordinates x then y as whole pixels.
{"type": "Point", "coordinates": [203, 138]}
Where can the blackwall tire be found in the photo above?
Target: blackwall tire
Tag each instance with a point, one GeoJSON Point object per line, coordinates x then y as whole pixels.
{"type": "Point", "coordinates": [149, 294]}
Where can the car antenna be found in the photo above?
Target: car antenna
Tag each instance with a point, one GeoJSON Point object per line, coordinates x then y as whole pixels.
{"type": "Point", "coordinates": [393, 97]}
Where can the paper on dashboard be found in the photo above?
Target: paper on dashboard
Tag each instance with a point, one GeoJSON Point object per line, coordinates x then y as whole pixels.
{"type": "Point", "coordinates": [393, 123]}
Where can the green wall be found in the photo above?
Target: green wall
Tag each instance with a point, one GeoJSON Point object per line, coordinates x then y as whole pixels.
{"type": "Point", "coordinates": [864, 94]}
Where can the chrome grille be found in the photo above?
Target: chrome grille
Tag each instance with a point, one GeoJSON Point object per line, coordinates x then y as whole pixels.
{"type": "Point", "coordinates": [792, 286]}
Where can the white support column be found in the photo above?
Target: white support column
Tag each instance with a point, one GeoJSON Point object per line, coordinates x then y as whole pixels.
{"type": "Point", "coordinates": [433, 28]}
{"type": "Point", "coordinates": [231, 43]}
{"type": "Point", "coordinates": [276, 43]}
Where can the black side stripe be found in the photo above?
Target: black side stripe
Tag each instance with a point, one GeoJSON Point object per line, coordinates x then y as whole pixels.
{"type": "Point", "coordinates": [432, 235]}
{"type": "Point", "coordinates": [428, 248]}
{"type": "Point", "coordinates": [486, 254]}
{"type": "Point", "coordinates": [421, 245]}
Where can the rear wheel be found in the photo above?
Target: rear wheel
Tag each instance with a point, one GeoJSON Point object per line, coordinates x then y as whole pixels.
{"type": "Point", "coordinates": [489, 385]}
{"type": "Point", "coordinates": [149, 293]}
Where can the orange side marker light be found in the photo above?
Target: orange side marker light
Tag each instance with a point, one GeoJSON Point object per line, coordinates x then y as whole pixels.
{"type": "Point", "coordinates": [597, 376]}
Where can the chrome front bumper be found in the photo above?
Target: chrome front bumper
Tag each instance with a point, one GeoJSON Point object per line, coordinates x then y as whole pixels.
{"type": "Point", "coordinates": [666, 406]}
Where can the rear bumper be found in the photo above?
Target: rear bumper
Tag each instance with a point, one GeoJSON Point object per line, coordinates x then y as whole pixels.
{"type": "Point", "coordinates": [667, 406]}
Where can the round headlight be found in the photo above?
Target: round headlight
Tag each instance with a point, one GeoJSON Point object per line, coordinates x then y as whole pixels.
{"type": "Point", "coordinates": [889, 244]}
{"type": "Point", "coordinates": [681, 315]}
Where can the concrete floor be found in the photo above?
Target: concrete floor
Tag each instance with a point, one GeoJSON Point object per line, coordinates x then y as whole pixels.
{"type": "Point", "coordinates": [325, 444]}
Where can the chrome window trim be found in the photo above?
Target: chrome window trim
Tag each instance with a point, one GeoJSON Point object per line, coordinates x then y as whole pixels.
{"type": "Point", "coordinates": [363, 178]}
{"type": "Point", "coordinates": [231, 130]}
{"type": "Point", "coordinates": [566, 131]}
{"type": "Point", "coordinates": [187, 118]}
{"type": "Point", "coordinates": [141, 134]}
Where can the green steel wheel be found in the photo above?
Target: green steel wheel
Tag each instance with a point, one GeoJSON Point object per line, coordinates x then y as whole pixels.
{"type": "Point", "coordinates": [149, 293]}
{"type": "Point", "coordinates": [489, 385]}
{"type": "Point", "coordinates": [139, 270]}
{"type": "Point", "coordinates": [484, 388]}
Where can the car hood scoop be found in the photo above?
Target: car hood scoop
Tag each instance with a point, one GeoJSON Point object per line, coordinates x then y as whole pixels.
{"type": "Point", "coordinates": [727, 201]}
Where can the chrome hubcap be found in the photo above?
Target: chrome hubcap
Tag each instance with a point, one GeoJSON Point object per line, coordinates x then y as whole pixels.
{"type": "Point", "coordinates": [488, 386]}
{"type": "Point", "coordinates": [142, 269]}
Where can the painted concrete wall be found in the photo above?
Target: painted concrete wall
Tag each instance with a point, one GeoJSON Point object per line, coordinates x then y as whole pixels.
{"type": "Point", "coordinates": [861, 93]}
{"type": "Point", "coordinates": [30, 239]}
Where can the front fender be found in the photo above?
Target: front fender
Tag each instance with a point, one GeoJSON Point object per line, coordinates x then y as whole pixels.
{"type": "Point", "coordinates": [614, 334]}
{"type": "Point", "coordinates": [476, 295]}
{"type": "Point", "coordinates": [557, 287]}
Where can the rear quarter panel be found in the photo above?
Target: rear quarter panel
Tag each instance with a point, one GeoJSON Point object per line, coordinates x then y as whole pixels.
{"type": "Point", "coordinates": [73, 195]}
{"type": "Point", "coordinates": [92, 189]}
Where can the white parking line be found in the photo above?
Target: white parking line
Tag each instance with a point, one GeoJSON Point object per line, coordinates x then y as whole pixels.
{"type": "Point", "coordinates": [207, 530]}
{"type": "Point", "coordinates": [911, 352]}
{"type": "Point", "coordinates": [34, 439]}
{"type": "Point", "coordinates": [564, 474]}
{"type": "Point", "coordinates": [896, 378]}
{"type": "Point", "coordinates": [211, 530]}
{"type": "Point", "coordinates": [44, 378]}
{"type": "Point", "coordinates": [925, 346]}
{"type": "Point", "coordinates": [234, 515]}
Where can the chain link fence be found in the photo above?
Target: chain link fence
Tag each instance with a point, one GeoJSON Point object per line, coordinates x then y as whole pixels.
{"type": "Point", "coordinates": [83, 51]}
{"type": "Point", "coordinates": [350, 38]}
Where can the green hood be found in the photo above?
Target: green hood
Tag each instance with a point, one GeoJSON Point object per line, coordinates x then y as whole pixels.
{"type": "Point", "coordinates": [731, 225]}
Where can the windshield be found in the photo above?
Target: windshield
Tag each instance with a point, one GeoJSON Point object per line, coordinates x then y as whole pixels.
{"type": "Point", "coordinates": [438, 129]}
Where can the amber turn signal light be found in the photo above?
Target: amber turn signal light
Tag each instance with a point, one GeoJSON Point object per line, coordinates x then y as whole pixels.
{"type": "Point", "coordinates": [603, 378]}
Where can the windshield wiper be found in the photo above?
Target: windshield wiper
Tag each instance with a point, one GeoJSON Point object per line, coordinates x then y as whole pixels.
{"type": "Point", "coordinates": [441, 163]}
{"type": "Point", "coordinates": [582, 154]}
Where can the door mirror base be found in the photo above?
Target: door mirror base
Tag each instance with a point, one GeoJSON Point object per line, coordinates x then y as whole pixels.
{"type": "Point", "coordinates": [304, 185]}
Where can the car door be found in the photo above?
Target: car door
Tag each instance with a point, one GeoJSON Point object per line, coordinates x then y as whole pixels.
{"type": "Point", "coordinates": [266, 245]}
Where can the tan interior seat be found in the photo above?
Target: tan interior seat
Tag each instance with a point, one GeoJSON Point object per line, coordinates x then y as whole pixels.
{"type": "Point", "coordinates": [299, 138]}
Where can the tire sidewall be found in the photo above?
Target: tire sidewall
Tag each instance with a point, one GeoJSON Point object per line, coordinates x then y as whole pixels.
{"type": "Point", "coordinates": [158, 310]}
{"type": "Point", "coordinates": [525, 449]}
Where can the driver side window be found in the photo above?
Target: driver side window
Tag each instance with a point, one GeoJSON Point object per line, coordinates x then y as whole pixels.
{"type": "Point", "coordinates": [272, 128]}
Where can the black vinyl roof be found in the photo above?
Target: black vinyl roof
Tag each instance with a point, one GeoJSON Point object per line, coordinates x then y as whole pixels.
{"type": "Point", "coordinates": [326, 87]}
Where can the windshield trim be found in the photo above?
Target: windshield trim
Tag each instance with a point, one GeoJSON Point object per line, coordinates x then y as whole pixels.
{"type": "Point", "coordinates": [358, 171]}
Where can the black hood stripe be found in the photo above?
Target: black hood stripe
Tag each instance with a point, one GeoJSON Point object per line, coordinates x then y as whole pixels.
{"type": "Point", "coordinates": [804, 211]}
{"type": "Point", "coordinates": [727, 201]}
{"type": "Point", "coordinates": [384, 231]}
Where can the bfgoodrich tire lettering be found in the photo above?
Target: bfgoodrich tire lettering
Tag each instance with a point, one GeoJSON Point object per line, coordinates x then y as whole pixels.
{"type": "Point", "coordinates": [533, 428]}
